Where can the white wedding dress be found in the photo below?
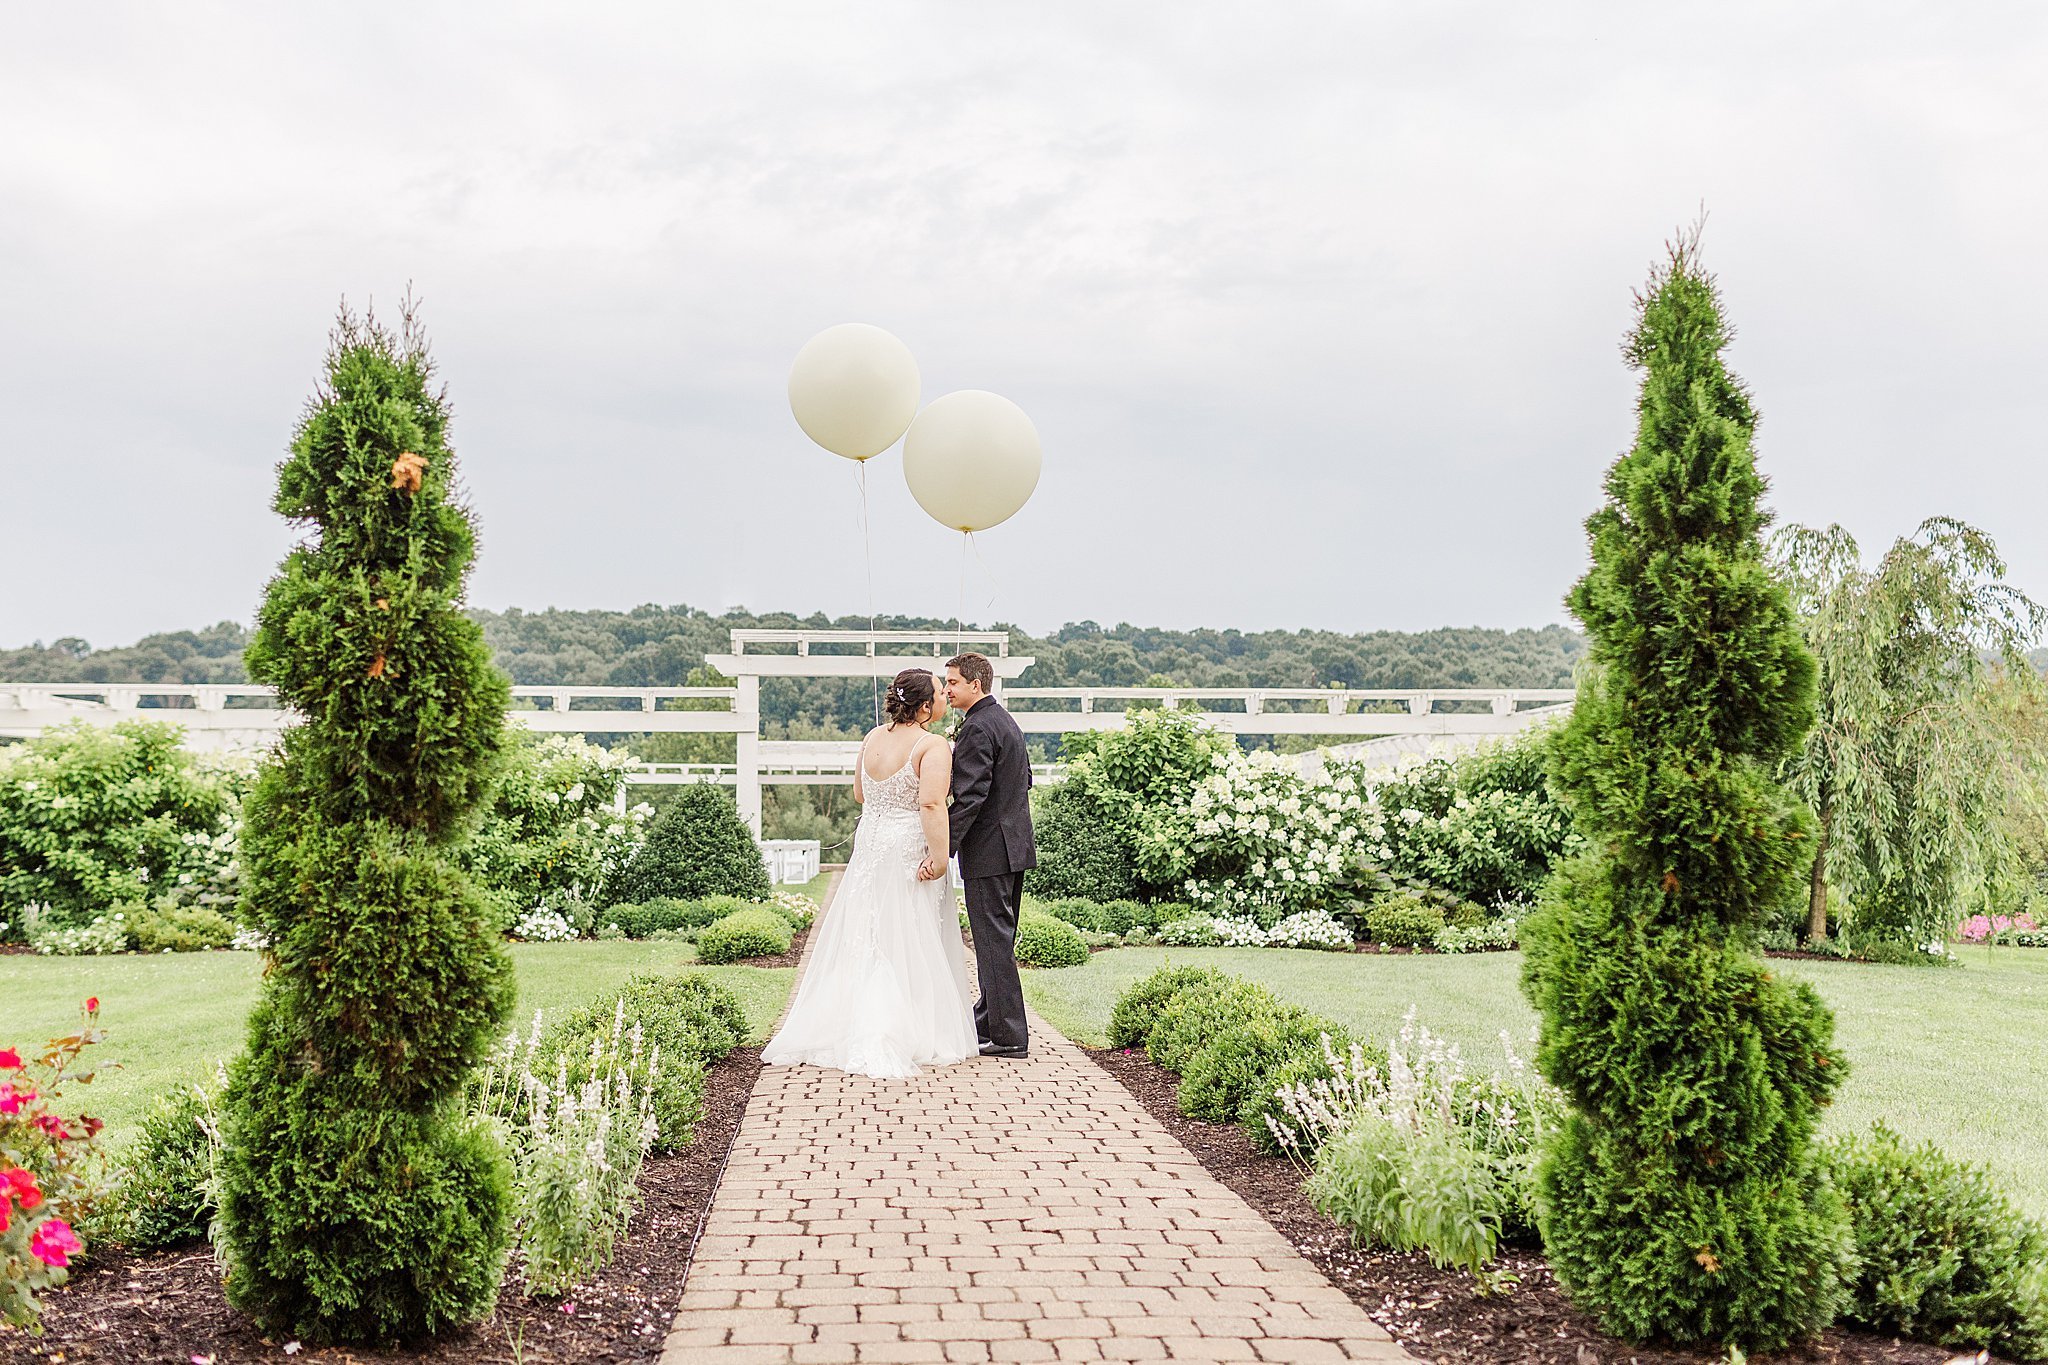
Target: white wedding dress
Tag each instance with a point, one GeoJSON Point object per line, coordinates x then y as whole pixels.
{"type": "Point", "coordinates": [885, 989]}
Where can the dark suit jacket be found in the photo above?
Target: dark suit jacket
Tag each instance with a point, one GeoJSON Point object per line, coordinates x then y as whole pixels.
{"type": "Point", "coordinates": [990, 823]}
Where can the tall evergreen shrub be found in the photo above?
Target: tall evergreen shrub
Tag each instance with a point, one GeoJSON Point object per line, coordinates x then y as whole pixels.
{"type": "Point", "coordinates": [1681, 1200]}
{"type": "Point", "coordinates": [698, 846]}
{"type": "Point", "coordinates": [357, 1202]}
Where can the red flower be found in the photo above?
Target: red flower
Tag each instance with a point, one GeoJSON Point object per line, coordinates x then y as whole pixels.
{"type": "Point", "coordinates": [92, 1004]}
{"type": "Point", "coordinates": [54, 1243]}
{"type": "Point", "coordinates": [6, 1215]}
{"type": "Point", "coordinates": [10, 1100]}
{"type": "Point", "coordinates": [51, 1124]}
{"type": "Point", "coordinates": [22, 1186]}
{"type": "Point", "coordinates": [10, 1060]}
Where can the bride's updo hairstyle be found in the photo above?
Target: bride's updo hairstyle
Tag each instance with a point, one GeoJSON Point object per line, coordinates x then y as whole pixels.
{"type": "Point", "coordinates": [908, 695]}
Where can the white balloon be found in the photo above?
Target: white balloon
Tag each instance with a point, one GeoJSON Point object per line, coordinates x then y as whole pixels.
{"type": "Point", "coordinates": [971, 459]}
{"type": "Point", "coordinates": [853, 389]}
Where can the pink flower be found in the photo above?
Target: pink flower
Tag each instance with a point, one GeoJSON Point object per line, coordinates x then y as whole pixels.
{"type": "Point", "coordinates": [92, 1004]}
{"type": "Point", "coordinates": [54, 1243]}
{"type": "Point", "coordinates": [21, 1185]}
{"type": "Point", "coordinates": [10, 1100]}
{"type": "Point", "coordinates": [10, 1060]}
{"type": "Point", "coordinates": [51, 1124]}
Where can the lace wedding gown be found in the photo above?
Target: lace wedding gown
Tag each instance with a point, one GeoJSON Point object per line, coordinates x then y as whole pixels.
{"type": "Point", "coordinates": [885, 991]}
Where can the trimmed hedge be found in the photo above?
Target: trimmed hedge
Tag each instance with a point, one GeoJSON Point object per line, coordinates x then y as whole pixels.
{"type": "Point", "coordinates": [1043, 941]}
{"type": "Point", "coordinates": [1233, 1043]}
{"type": "Point", "coordinates": [666, 914]}
{"type": "Point", "coordinates": [1137, 1009]}
{"type": "Point", "coordinates": [754, 932]}
{"type": "Point", "coordinates": [1117, 917]}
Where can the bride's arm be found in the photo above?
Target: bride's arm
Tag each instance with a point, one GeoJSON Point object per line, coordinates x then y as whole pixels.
{"type": "Point", "coordinates": [934, 783]}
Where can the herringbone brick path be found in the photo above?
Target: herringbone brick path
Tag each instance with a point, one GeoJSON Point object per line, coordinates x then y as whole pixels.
{"type": "Point", "coordinates": [990, 1211]}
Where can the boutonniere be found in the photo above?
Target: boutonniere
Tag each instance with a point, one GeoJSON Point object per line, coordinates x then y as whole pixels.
{"type": "Point", "coordinates": [949, 728]}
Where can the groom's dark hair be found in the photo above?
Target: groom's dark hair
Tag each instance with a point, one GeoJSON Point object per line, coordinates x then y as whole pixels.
{"type": "Point", "coordinates": [975, 669]}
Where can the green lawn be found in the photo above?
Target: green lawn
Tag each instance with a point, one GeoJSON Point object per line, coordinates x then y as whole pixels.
{"type": "Point", "coordinates": [1960, 1057]}
{"type": "Point", "coordinates": [170, 1017]}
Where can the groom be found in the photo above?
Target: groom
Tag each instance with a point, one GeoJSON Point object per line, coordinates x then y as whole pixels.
{"type": "Point", "coordinates": [991, 832]}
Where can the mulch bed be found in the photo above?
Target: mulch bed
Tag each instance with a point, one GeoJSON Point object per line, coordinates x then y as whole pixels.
{"type": "Point", "coordinates": [168, 1306]}
{"type": "Point", "coordinates": [1433, 1313]}
{"type": "Point", "coordinates": [794, 957]}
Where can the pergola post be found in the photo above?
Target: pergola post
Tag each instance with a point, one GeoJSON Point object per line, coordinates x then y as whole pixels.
{"type": "Point", "coordinates": [748, 737]}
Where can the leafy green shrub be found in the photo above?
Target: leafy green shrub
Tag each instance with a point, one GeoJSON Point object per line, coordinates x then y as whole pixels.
{"type": "Point", "coordinates": [105, 934]}
{"type": "Point", "coordinates": [692, 1019]}
{"type": "Point", "coordinates": [170, 928]}
{"type": "Point", "coordinates": [1942, 1254]}
{"type": "Point", "coordinates": [1197, 1014]}
{"type": "Point", "coordinates": [1222, 1079]}
{"type": "Point", "coordinates": [1411, 1190]}
{"type": "Point", "coordinates": [553, 835]}
{"type": "Point", "coordinates": [698, 846]}
{"type": "Point", "coordinates": [1495, 936]}
{"type": "Point", "coordinates": [666, 914]}
{"type": "Point", "coordinates": [754, 932]}
{"type": "Point", "coordinates": [1081, 853]}
{"type": "Point", "coordinates": [1194, 931]}
{"type": "Point", "coordinates": [1043, 941]}
{"type": "Point", "coordinates": [165, 1196]}
{"type": "Point", "coordinates": [1486, 826]}
{"type": "Point", "coordinates": [1403, 921]}
{"type": "Point", "coordinates": [1136, 1011]}
{"type": "Point", "coordinates": [357, 1201]}
{"type": "Point", "coordinates": [1680, 1199]}
{"type": "Point", "coordinates": [93, 816]}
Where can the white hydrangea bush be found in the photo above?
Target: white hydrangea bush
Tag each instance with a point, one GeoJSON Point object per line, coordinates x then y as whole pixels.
{"type": "Point", "coordinates": [1264, 842]}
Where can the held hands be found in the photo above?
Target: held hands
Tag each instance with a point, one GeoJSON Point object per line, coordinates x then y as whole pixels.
{"type": "Point", "coordinates": [930, 870]}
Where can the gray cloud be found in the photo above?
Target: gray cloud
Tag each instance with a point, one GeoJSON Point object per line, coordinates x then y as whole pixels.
{"type": "Point", "coordinates": [1316, 306]}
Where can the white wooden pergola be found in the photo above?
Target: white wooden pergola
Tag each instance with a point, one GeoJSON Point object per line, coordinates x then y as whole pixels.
{"type": "Point", "coordinates": [247, 717]}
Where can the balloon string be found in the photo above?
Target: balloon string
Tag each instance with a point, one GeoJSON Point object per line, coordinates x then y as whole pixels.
{"type": "Point", "coordinates": [960, 621]}
{"type": "Point", "coordinates": [994, 588]}
{"type": "Point", "coordinates": [867, 554]}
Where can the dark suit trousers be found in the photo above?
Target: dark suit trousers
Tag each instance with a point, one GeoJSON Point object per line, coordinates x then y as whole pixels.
{"type": "Point", "coordinates": [992, 904]}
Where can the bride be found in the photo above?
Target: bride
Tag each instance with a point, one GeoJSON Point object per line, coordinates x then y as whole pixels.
{"type": "Point", "coordinates": [885, 989]}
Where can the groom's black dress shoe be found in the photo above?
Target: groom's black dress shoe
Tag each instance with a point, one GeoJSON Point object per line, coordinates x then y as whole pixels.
{"type": "Point", "coordinates": [991, 1050]}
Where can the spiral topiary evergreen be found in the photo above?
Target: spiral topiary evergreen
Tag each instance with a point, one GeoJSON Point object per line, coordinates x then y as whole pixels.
{"type": "Point", "coordinates": [1681, 1199]}
{"type": "Point", "coordinates": [357, 1204]}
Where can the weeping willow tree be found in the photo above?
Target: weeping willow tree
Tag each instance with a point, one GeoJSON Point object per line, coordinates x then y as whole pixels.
{"type": "Point", "coordinates": [1680, 1199]}
{"type": "Point", "coordinates": [1920, 744]}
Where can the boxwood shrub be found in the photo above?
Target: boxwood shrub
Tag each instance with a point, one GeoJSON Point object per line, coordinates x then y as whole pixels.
{"type": "Point", "coordinates": [1943, 1254]}
{"type": "Point", "coordinates": [1137, 1009]}
{"type": "Point", "coordinates": [1223, 1078]}
{"type": "Point", "coordinates": [667, 914]}
{"type": "Point", "coordinates": [1403, 921]}
{"type": "Point", "coordinates": [1193, 1018]}
{"type": "Point", "coordinates": [753, 932]}
{"type": "Point", "coordinates": [1043, 941]}
{"type": "Point", "coordinates": [165, 1196]}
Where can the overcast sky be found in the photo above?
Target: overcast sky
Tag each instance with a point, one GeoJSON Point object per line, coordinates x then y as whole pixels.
{"type": "Point", "coordinates": [1316, 307]}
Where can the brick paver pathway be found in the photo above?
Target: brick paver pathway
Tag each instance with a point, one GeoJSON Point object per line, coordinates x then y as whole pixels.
{"type": "Point", "coordinates": [991, 1211]}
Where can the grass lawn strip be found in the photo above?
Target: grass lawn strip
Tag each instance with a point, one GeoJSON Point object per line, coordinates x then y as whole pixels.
{"type": "Point", "coordinates": [171, 1017]}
